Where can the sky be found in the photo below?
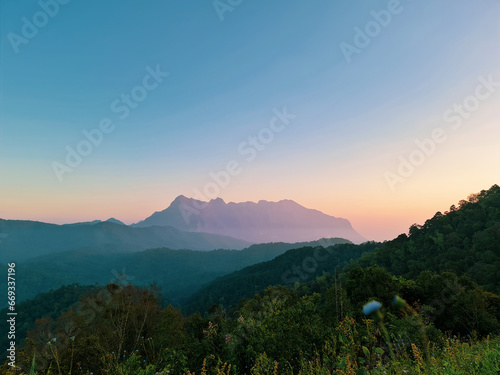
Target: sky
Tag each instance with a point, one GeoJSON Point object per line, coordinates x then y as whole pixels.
{"type": "Point", "coordinates": [381, 112]}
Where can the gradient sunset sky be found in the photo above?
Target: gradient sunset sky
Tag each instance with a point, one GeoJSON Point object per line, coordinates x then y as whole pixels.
{"type": "Point", "coordinates": [355, 119]}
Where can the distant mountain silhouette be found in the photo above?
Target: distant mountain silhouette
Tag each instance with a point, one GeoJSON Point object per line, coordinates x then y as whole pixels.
{"type": "Point", "coordinates": [28, 239]}
{"type": "Point", "coordinates": [262, 222]}
{"type": "Point", "coordinates": [116, 221]}
{"type": "Point", "coordinates": [93, 222]}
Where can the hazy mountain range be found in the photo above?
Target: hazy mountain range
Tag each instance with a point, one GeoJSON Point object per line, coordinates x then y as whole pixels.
{"type": "Point", "coordinates": [23, 240]}
{"type": "Point", "coordinates": [262, 222]}
{"type": "Point", "coordinates": [186, 224]}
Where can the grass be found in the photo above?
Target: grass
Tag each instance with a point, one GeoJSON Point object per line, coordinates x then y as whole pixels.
{"type": "Point", "coordinates": [451, 356]}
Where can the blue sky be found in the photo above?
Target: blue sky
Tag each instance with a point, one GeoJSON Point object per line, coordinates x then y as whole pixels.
{"type": "Point", "coordinates": [353, 120]}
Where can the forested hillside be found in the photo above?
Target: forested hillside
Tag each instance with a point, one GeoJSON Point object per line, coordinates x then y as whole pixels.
{"type": "Point", "coordinates": [315, 329]}
{"type": "Point", "coordinates": [295, 266]}
{"type": "Point", "coordinates": [463, 240]}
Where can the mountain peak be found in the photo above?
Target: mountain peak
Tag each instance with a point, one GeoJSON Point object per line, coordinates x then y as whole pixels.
{"type": "Point", "coordinates": [218, 201]}
{"type": "Point", "coordinates": [115, 221]}
{"type": "Point", "coordinates": [181, 198]}
{"type": "Point", "coordinates": [288, 202]}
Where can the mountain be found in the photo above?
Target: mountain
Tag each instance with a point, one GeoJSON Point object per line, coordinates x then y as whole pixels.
{"type": "Point", "coordinates": [262, 222]}
{"type": "Point", "coordinates": [22, 240]}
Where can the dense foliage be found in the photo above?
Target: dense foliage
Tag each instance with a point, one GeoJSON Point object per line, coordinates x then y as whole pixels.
{"type": "Point", "coordinates": [48, 305]}
{"type": "Point", "coordinates": [122, 329]}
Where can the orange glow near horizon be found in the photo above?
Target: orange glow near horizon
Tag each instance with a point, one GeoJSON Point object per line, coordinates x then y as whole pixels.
{"type": "Point", "coordinates": [375, 220]}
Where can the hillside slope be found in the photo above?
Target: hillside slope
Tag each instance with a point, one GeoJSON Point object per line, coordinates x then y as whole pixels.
{"type": "Point", "coordinates": [294, 266]}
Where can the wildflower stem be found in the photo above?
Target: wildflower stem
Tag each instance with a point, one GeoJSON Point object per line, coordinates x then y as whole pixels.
{"type": "Point", "coordinates": [388, 340]}
{"type": "Point", "coordinates": [423, 332]}
{"type": "Point", "coordinates": [72, 352]}
{"type": "Point", "coordinates": [56, 357]}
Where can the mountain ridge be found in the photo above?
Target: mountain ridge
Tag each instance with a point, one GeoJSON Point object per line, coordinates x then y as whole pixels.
{"type": "Point", "coordinates": [25, 239]}
{"type": "Point", "coordinates": [255, 222]}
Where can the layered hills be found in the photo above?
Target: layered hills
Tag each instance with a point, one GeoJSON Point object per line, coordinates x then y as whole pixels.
{"type": "Point", "coordinates": [23, 240]}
